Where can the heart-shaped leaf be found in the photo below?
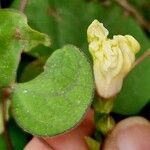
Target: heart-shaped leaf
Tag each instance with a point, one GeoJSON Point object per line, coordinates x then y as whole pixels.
{"type": "Point", "coordinates": [15, 36]}
{"type": "Point", "coordinates": [56, 100]}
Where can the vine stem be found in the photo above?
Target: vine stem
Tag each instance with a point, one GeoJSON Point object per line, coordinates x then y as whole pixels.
{"type": "Point", "coordinates": [23, 4]}
{"type": "Point", "coordinates": [142, 58]}
{"type": "Point", "coordinates": [5, 96]}
{"type": "Point", "coordinates": [132, 10]}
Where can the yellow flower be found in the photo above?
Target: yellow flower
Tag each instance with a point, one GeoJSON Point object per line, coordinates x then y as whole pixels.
{"type": "Point", "coordinates": [112, 58]}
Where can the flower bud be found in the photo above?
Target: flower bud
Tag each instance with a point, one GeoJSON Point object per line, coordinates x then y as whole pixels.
{"type": "Point", "coordinates": [112, 58]}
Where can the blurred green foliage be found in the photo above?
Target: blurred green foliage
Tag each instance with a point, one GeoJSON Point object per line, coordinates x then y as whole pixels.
{"type": "Point", "coordinates": [143, 6]}
{"type": "Point", "coordinates": [66, 21]}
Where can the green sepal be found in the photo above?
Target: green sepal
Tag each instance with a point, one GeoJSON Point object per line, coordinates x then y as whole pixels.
{"type": "Point", "coordinates": [104, 123]}
{"type": "Point", "coordinates": [92, 143]}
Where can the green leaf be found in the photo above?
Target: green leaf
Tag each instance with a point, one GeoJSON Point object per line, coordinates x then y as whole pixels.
{"type": "Point", "coordinates": [15, 36]}
{"type": "Point", "coordinates": [136, 90]}
{"type": "Point", "coordinates": [56, 100]}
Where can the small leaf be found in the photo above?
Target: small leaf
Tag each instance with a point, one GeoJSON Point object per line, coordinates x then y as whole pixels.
{"type": "Point", "coordinates": [15, 36]}
{"type": "Point", "coordinates": [56, 100]}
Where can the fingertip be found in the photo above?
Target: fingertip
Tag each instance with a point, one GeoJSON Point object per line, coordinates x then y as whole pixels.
{"type": "Point", "coordinates": [37, 144]}
{"type": "Point", "coordinates": [74, 140]}
{"type": "Point", "coordinates": [132, 133]}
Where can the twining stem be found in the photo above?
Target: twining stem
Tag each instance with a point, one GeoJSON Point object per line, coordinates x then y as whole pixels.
{"type": "Point", "coordinates": [135, 13]}
{"type": "Point", "coordinates": [5, 96]}
{"type": "Point", "coordinates": [141, 58]}
{"type": "Point", "coordinates": [23, 4]}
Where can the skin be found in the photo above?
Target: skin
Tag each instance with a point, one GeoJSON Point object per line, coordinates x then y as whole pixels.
{"type": "Point", "coordinates": [132, 133]}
